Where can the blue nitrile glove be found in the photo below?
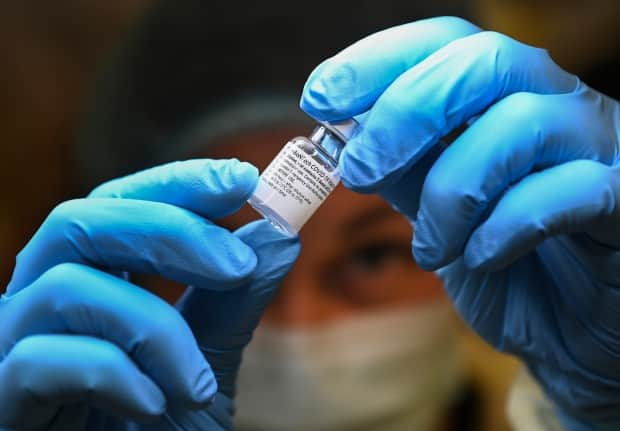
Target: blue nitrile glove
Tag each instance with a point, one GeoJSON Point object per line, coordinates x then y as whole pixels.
{"type": "Point", "coordinates": [84, 349]}
{"type": "Point", "coordinates": [520, 211]}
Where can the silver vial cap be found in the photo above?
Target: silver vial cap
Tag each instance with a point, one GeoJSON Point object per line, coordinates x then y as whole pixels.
{"type": "Point", "coordinates": [342, 129]}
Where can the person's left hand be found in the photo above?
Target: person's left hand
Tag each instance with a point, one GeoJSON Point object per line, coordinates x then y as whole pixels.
{"type": "Point", "coordinates": [521, 212]}
{"type": "Point", "coordinates": [83, 348]}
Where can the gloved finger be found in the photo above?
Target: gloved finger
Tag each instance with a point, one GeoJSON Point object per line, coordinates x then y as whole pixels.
{"type": "Point", "coordinates": [404, 194]}
{"type": "Point", "coordinates": [223, 322]}
{"type": "Point", "coordinates": [211, 188]}
{"type": "Point", "coordinates": [578, 196]}
{"type": "Point", "coordinates": [136, 236]}
{"type": "Point", "coordinates": [522, 133]}
{"type": "Point", "coordinates": [455, 83]}
{"type": "Point", "coordinates": [44, 373]}
{"type": "Point", "coordinates": [351, 81]}
{"type": "Point", "coordinates": [76, 299]}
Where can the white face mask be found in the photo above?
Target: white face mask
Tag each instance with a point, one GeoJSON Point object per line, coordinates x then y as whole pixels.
{"type": "Point", "coordinates": [396, 370]}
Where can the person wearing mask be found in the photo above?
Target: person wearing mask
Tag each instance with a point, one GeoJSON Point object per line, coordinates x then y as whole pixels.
{"type": "Point", "coordinates": [321, 356]}
{"type": "Point", "coordinates": [500, 211]}
{"type": "Point", "coordinates": [354, 247]}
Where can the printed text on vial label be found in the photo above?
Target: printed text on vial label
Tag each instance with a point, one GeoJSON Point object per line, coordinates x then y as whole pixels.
{"type": "Point", "coordinates": [298, 184]}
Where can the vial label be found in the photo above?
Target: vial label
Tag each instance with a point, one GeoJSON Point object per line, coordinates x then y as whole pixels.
{"type": "Point", "coordinates": [296, 182]}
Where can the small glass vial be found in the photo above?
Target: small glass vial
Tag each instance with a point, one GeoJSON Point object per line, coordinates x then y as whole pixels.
{"type": "Point", "coordinates": [301, 176]}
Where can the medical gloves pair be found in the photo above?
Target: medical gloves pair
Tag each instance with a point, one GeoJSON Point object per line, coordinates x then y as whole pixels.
{"type": "Point", "coordinates": [519, 214]}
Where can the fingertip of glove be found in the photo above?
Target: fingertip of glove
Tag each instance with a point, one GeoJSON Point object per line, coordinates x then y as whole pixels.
{"type": "Point", "coordinates": [261, 233]}
{"type": "Point", "coordinates": [279, 249]}
{"type": "Point", "coordinates": [235, 176]}
{"type": "Point", "coordinates": [481, 255]}
{"type": "Point", "coordinates": [359, 170]}
{"type": "Point", "coordinates": [232, 264]}
{"type": "Point", "coordinates": [242, 263]}
{"type": "Point", "coordinates": [425, 258]}
{"type": "Point", "coordinates": [213, 187]}
{"type": "Point", "coordinates": [156, 406]}
{"type": "Point", "coordinates": [248, 175]}
{"type": "Point", "coordinates": [205, 389]}
{"type": "Point", "coordinates": [327, 93]}
{"type": "Point", "coordinates": [314, 106]}
{"type": "Point", "coordinates": [426, 253]}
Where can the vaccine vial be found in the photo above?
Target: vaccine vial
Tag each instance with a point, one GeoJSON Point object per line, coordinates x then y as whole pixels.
{"type": "Point", "coordinates": [301, 176]}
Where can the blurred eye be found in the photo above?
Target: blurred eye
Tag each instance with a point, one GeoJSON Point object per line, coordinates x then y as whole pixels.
{"type": "Point", "coordinates": [373, 258]}
{"type": "Point", "coordinates": [374, 273]}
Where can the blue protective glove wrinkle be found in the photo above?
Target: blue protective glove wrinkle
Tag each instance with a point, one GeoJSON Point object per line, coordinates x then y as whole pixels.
{"type": "Point", "coordinates": [520, 212]}
{"type": "Point", "coordinates": [158, 236]}
{"type": "Point", "coordinates": [80, 347]}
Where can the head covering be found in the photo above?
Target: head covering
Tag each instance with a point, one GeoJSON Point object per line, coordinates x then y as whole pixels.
{"type": "Point", "coordinates": [186, 61]}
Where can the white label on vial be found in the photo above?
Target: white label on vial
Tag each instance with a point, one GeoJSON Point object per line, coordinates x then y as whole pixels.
{"type": "Point", "coordinates": [294, 185]}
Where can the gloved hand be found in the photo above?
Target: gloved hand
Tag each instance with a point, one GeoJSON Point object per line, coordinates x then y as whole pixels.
{"type": "Point", "coordinates": [520, 211]}
{"type": "Point", "coordinates": [81, 348]}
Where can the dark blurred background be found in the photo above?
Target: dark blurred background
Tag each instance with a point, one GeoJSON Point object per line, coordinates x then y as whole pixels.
{"type": "Point", "coordinates": [51, 52]}
{"type": "Point", "coordinates": [55, 53]}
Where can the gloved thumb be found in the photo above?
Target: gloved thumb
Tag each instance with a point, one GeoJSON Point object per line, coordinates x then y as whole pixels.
{"type": "Point", "coordinates": [223, 321]}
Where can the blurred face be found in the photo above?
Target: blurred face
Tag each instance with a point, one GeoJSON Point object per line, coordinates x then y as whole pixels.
{"type": "Point", "coordinates": [356, 251]}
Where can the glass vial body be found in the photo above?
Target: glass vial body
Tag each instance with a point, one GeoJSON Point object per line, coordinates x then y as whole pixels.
{"type": "Point", "coordinates": [301, 176]}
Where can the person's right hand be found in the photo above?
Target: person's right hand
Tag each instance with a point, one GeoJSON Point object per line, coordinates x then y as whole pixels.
{"type": "Point", "coordinates": [521, 212]}
{"type": "Point", "coordinates": [82, 347]}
